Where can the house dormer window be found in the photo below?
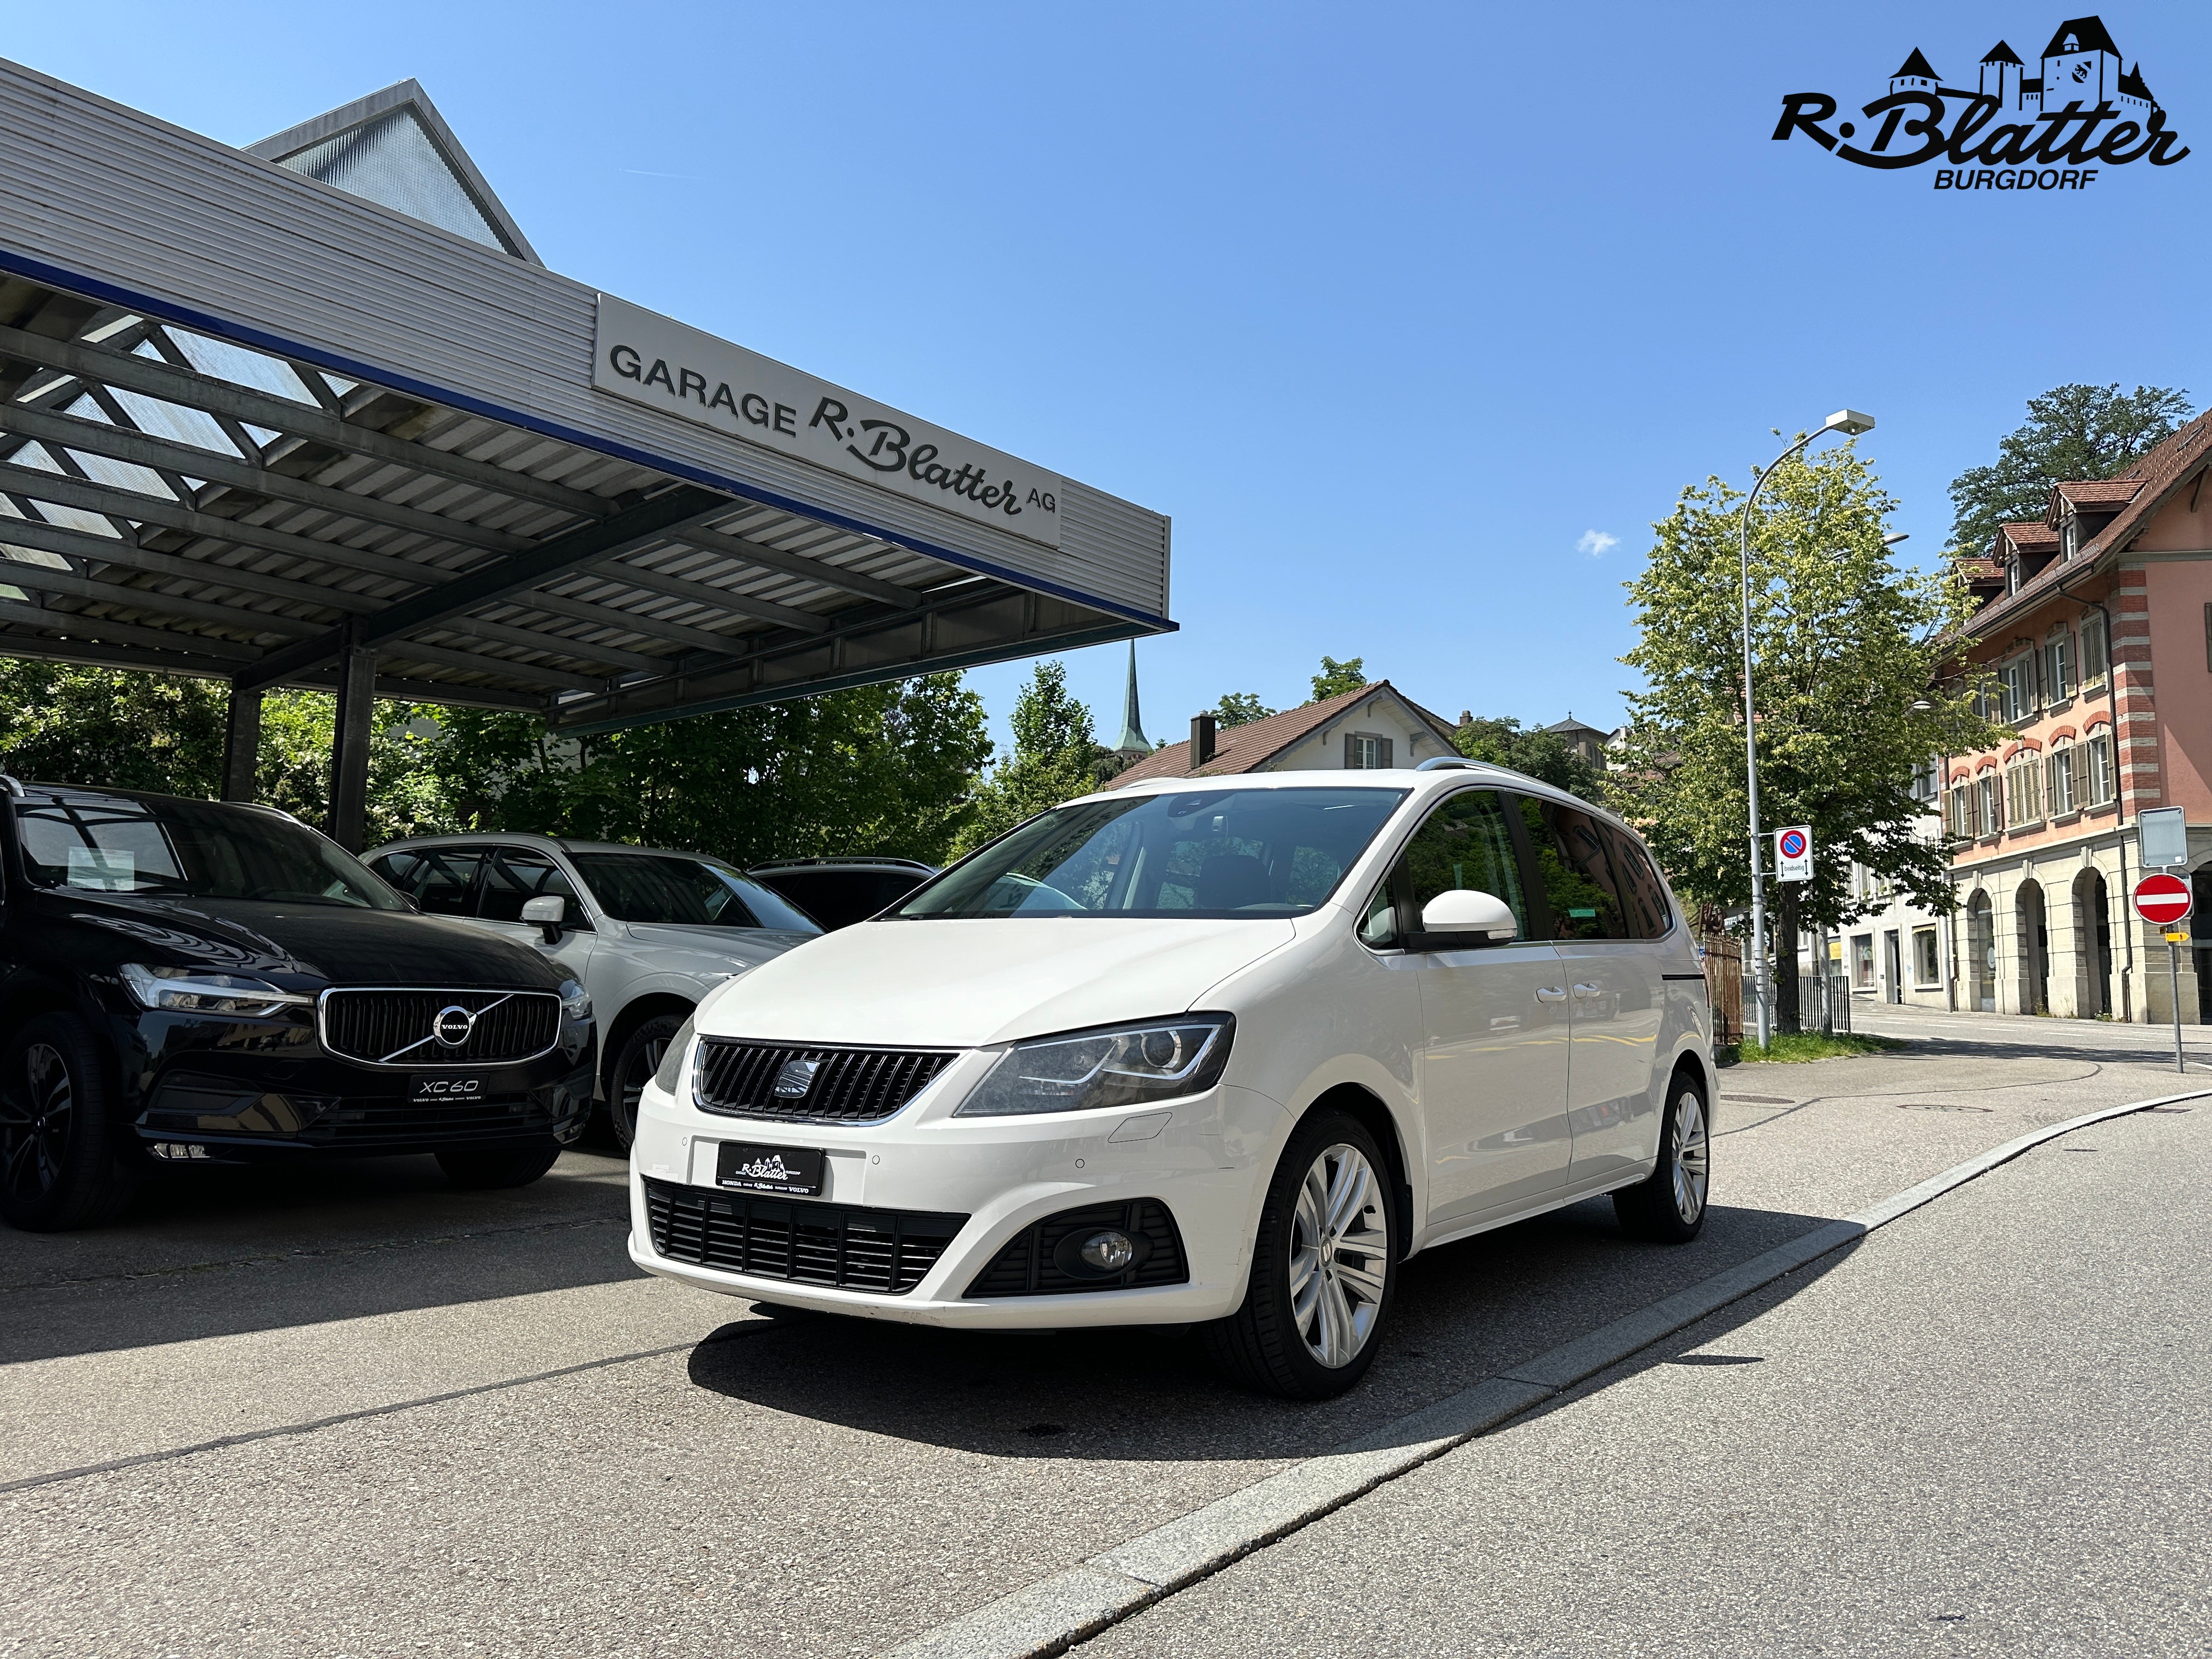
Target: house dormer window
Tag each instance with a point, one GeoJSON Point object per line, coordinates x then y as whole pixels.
{"type": "Point", "coordinates": [2069, 535]}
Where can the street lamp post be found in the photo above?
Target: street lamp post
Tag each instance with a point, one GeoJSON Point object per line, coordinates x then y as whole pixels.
{"type": "Point", "coordinates": [1851, 422]}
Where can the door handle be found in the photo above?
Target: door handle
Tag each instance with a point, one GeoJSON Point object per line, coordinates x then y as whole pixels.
{"type": "Point", "coordinates": [1551, 994]}
{"type": "Point", "coordinates": [1589, 990]}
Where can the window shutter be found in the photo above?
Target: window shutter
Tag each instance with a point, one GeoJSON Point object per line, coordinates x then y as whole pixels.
{"type": "Point", "coordinates": [2077, 758]}
{"type": "Point", "coordinates": [1386, 746]}
{"type": "Point", "coordinates": [1350, 753]}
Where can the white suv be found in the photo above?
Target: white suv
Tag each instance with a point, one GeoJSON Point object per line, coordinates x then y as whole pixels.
{"type": "Point", "coordinates": [648, 933]}
{"type": "Point", "coordinates": [1202, 1050]}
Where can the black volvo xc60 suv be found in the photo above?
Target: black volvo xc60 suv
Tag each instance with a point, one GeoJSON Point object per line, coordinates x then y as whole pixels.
{"type": "Point", "coordinates": [189, 983]}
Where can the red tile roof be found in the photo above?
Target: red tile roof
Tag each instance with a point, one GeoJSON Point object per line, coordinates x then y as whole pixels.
{"type": "Point", "coordinates": [2030, 536]}
{"type": "Point", "coordinates": [1247, 748]}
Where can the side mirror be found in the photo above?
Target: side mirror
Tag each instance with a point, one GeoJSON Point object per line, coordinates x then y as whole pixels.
{"type": "Point", "coordinates": [549, 911]}
{"type": "Point", "coordinates": [1462, 918]}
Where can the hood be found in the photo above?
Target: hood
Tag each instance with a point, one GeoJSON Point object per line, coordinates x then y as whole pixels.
{"type": "Point", "coordinates": [330, 942]}
{"type": "Point", "coordinates": [958, 983]}
{"type": "Point", "coordinates": [734, 947]}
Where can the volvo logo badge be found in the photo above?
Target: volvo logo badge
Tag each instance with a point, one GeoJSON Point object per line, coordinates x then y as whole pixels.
{"type": "Point", "coordinates": [452, 1026]}
{"type": "Point", "coordinates": [795, 1079]}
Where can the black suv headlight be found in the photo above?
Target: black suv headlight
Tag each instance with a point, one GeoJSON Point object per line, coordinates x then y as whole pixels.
{"type": "Point", "coordinates": [203, 991]}
{"type": "Point", "coordinates": [575, 1000]}
{"type": "Point", "coordinates": [1113, 1066]}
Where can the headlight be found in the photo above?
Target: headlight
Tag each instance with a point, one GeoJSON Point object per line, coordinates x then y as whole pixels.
{"type": "Point", "coordinates": [1120, 1066]}
{"type": "Point", "coordinates": [672, 1058]}
{"type": "Point", "coordinates": [575, 1000]}
{"type": "Point", "coordinates": [196, 991]}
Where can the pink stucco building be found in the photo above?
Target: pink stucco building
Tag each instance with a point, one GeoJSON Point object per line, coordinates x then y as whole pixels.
{"type": "Point", "coordinates": [2097, 625]}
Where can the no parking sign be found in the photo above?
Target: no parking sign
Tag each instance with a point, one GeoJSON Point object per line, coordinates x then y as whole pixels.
{"type": "Point", "coordinates": [1793, 853]}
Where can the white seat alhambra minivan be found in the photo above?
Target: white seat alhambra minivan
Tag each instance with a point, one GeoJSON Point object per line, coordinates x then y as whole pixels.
{"type": "Point", "coordinates": [1198, 1051]}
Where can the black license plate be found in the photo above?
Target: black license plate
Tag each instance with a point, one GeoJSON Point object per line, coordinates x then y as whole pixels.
{"type": "Point", "coordinates": [795, 1170]}
{"type": "Point", "coordinates": [450, 1088]}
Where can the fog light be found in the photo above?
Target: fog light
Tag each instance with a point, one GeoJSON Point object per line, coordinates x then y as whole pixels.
{"type": "Point", "coordinates": [1108, 1252]}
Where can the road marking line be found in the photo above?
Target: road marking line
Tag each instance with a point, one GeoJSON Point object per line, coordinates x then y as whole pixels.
{"type": "Point", "coordinates": [746, 1327]}
{"type": "Point", "coordinates": [1053, 1615]}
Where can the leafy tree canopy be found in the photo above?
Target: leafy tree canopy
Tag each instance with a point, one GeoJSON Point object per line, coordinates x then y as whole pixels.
{"type": "Point", "coordinates": [1844, 643]}
{"type": "Point", "coordinates": [1337, 677]}
{"type": "Point", "coordinates": [1055, 757]}
{"type": "Point", "coordinates": [1241, 709]}
{"type": "Point", "coordinates": [1542, 755]}
{"type": "Point", "coordinates": [2071, 432]}
{"type": "Point", "coordinates": [878, 770]}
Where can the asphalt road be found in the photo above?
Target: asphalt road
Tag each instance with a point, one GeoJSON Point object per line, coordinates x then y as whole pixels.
{"type": "Point", "coordinates": [363, 1415]}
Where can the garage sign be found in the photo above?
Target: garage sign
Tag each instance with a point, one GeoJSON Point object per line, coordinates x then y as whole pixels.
{"type": "Point", "coordinates": [685, 372]}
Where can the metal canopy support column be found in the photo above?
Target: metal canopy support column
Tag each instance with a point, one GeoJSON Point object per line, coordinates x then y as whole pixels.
{"type": "Point", "coordinates": [350, 746]}
{"type": "Point", "coordinates": [241, 742]}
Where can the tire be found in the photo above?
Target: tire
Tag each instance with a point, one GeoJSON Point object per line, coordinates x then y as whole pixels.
{"type": "Point", "coordinates": [1671, 1207]}
{"type": "Point", "coordinates": [481, 1168]}
{"type": "Point", "coordinates": [61, 1155]}
{"type": "Point", "coordinates": [1316, 1304]}
{"type": "Point", "coordinates": [635, 1063]}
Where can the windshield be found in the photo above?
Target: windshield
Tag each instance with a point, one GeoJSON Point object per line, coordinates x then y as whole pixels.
{"type": "Point", "coordinates": [191, 849]}
{"type": "Point", "coordinates": [1206, 852]}
{"type": "Point", "coordinates": [662, 887]}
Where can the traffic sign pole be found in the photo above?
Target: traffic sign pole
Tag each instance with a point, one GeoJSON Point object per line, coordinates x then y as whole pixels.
{"type": "Point", "coordinates": [2165, 901]}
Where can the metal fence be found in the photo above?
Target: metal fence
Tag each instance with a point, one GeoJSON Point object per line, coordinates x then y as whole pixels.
{"type": "Point", "coordinates": [1824, 1003]}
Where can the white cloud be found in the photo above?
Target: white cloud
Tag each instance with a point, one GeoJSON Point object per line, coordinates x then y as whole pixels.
{"type": "Point", "coordinates": [1595, 542]}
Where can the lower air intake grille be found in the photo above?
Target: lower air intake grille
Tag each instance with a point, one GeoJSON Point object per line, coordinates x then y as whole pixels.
{"type": "Point", "coordinates": [842, 1245]}
{"type": "Point", "coordinates": [809, 1084]}
{"type": "Point", "coordinates": [1029, 1265]}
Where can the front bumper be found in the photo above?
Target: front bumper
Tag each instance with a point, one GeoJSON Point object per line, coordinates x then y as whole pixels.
{"type": "Point", "coordinates": [1206, 1159]}
{"type": "Point", "coordinates": [200, 1090]}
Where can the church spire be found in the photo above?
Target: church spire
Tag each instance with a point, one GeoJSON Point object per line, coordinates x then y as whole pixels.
{"type": "Point", "coordinates": [1133, 740]}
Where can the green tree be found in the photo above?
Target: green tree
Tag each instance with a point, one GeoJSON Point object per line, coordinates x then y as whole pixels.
{"type": "Point", "coordinates": [1240, 708]}
{"type": "Point", "coordinates": [1337, 677]}
{"type": "Point", "coordinates": [2071, 432]}
{"type": "Point", "coordinates": [1542, 755]}
{"type": "Point", "coordinates": [885, 769]}
{"type": "Point", "coordinates": [1054, 758]}
{"type": "Point", "coordinates": [164, 733]}
{"type": "Point", "coordinates": [1847, 649]}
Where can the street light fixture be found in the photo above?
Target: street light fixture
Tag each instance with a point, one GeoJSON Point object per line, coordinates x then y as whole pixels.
{"type": "Point", "coordinates": [1851, 423]}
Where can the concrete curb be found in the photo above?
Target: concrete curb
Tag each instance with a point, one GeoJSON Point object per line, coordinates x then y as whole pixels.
{"type": "Point", "coordinates": [1053, 1615]}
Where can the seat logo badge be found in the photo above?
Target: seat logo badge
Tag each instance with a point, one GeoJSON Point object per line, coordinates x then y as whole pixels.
{"type": "Point", "coordinates": [452, 1026]}
{"type": "Point", "coordinates": [795, 1079]}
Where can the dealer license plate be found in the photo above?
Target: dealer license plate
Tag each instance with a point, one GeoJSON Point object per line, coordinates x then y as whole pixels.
{"type": "Point", "coordinates": [795, 1170]}
{"type": "Point", "coordinates": [450, 1088]}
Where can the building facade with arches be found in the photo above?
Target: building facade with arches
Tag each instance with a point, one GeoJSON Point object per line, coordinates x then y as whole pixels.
{"type": "Point", "coordinates": [2095, 633]}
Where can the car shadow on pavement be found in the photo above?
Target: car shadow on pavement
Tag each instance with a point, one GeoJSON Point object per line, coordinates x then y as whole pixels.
{"type": "Point", "coordinates": [223, 1251]}
{"type": "Point", "coordinates": [1464, 1312]}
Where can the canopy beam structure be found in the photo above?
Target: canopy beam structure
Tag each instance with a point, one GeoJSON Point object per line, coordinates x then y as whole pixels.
{"type": "Point", "coordinates": [257, 427]}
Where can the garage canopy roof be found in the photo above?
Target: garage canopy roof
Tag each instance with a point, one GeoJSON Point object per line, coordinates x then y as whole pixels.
{"type": "Point", "coordinates": [260, 408]}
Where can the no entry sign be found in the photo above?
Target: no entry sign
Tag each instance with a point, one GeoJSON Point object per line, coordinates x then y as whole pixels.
{"type": "Point", "coordinates": [2162, 900]}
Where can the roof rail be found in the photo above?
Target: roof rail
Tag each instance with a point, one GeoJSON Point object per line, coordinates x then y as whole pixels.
{"type": "Point", "coordinates": [11, 785]}
{"type": "Point", "coordinates": [1450, 763]}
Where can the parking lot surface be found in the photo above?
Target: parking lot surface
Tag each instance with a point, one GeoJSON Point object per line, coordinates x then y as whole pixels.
{"type": "Point", "coordinates": [365, 1413]}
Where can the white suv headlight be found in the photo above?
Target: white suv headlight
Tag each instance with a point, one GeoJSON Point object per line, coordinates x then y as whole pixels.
{"type": "Point", "coordinates": [199, 991]}
{"type": "Point", "coordinates": [672, 1058]}
{"type": "Point", "coordinates": [1114, 1066]}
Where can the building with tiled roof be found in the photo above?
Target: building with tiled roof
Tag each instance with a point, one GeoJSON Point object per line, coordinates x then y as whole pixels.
{"type": "Point", "coordinates": [2096, 628]}
{"type": "Point", "coordinates": [1376, 726]}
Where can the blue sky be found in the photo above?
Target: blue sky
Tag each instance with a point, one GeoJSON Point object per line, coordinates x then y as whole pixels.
{"type": "Point", "coordinates": [1413, 317]}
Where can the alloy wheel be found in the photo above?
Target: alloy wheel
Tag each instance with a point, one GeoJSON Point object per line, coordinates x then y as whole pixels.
{"type": "Point", "coordinates": [34, 1128]}
{"type": "Point", "coordinates": [1693, 1158]}
{"type": "Point", "coordinates": [1340, 1253]}
{"type": "Point", "coordinates": [630, 1086]}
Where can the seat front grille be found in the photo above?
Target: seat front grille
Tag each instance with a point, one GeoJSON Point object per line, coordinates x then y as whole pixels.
{"type": "Point", "coordinates": [846, 1246]}
{"type": "Point", "coordinates": [400, 1028]}
{"type": "Point", "coordinates": [818, 1085]}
